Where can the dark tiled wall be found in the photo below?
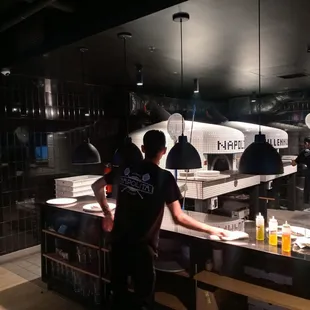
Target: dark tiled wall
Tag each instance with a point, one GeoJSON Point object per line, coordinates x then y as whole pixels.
{"type": "Point", "coordinates": [40, 124]}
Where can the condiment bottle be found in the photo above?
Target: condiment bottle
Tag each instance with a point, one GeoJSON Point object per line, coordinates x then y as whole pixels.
{"type": "Point", "coordinates": [286, 237]}
{"type": "Point", "coordinates": [260, 227]}
{"type": "Point", "coordinates": [273, 231]}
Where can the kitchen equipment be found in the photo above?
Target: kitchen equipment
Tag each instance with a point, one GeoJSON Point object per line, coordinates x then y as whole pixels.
{"type": "Point", "coordinates": [61, 201]}
{"type": "Point", "coordinates": [206, 138]}
{"type": "Point", "coordinates": [276, 137]}
{"type": "Point", "coordinates": [95, 207]}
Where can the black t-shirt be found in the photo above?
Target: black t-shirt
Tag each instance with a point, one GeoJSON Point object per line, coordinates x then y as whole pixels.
{"type": "Point", "coordinates": [304, 158]}
{"type": "Point", "coordinates": [144, 189]}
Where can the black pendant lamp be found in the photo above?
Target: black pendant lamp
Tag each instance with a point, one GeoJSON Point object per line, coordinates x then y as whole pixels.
{"type": "Point", "coordinates": [183, 155]}
{"type": "Point", "coordinates": [85, 153]}
{"type": "Point", "coordinates": [260, 157]}
{"type": "Point", "coordinates": [128, 152]}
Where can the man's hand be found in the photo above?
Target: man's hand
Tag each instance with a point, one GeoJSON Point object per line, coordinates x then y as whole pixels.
{"type": "Point", "coordinates": [294, 162]}
{"type": "Point", "coordinates": [214, 231]}
{"type": "Point", "coordinates": [107, 222]}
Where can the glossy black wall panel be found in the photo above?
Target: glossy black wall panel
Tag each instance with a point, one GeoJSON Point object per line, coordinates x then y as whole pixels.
{"type": "Point", "coordinates": [41, 122]}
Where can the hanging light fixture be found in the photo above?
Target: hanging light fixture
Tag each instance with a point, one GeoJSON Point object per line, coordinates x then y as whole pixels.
{"type": "Point", "coordinates": [253, 97]}
{"type": "Point", "coordinates": [139, 75]}
{"type": "Point", "coordinates": [128, 152]}
{"type": "Point", "coordinates": [260, 157]}
{"type": "Point", "coordinates": [196, 86]}
{"type": "Point", "coordinates": [85, 153]}
{"type": "Point", "coordinates": [183, 156]}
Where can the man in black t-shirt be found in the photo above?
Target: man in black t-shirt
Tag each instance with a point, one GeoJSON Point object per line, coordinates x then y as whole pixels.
{"type": "Point", "coordinates": [304, 158]}
{"type": "Point", "coordinates": [144, 189]}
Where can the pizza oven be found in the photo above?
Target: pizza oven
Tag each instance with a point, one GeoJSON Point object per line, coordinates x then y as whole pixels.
{"type": "Point", "coordinates": [218, 146]}
{"type": "Point", "coordinates": [276, 137]}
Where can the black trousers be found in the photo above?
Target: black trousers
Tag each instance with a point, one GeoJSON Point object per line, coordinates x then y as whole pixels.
{"type": "Point", "coordinates": [137, 262]}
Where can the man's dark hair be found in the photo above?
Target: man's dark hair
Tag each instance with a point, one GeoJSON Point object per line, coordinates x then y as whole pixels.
{"type": "Point", "coordinates": [307, 139]}
{"type": "Point", "coordinates": [154, 141]}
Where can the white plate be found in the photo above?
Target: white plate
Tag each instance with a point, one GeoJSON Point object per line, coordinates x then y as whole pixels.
{"type": "Point", "coordinates": [95, 207]}
{"type": "Point", "coordinates": [208, 173]}
{"type": "Point", "coordinates": [61, 201]}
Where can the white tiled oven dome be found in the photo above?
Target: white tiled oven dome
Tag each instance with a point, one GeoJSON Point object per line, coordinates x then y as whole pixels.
{"type": "Point", "coordinates": [207, 138]}
{"type": "Point", "coordinates": [276, 137]}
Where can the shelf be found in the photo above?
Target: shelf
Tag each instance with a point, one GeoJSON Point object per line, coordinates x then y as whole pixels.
{"type": "Point", "coordinates": [60, 236]}
{"type": "Point", "coordinates": [276, 298]}
{"type": "Point", "coordinates": [66, 290]}
{"type": "Point", "coordinates": [184, 273]}
{"type": "Point", "coordinates": [74, 266]}
{"type": "Point", "coordinates": [169, 301]}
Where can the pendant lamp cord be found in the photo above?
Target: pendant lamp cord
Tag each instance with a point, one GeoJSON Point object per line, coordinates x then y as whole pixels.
{"type": "Point", "coordinates": [181, 42]}
{"type": "Point", "coordinates": [183, 120]}
{"type": "Point", "coordinates": [181, 35]}
{"type": "Point", "coordinates": [126, 78]}
{"type": "Point", "coordinates": [82, 51]}
{"type": "Point", "coordinates": [193, 119]}
{"type": "Point", "coordinates": [82, 67]}
{"type": "Point", "coordinates": [190, 141]}
{"type": "Point", "coordinates": [259, 66]}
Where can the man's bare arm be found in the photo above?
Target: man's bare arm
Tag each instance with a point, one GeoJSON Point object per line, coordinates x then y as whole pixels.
{"type": "Point", "coordinates": [185, 220]}
{"type": "Point", "coordinates": [99, 190]}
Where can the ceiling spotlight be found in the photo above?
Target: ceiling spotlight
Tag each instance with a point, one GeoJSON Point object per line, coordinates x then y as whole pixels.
{"type": "Point", "coordinates": [139, 75]}
{"type": "Point", "coordinates": [196, 86]}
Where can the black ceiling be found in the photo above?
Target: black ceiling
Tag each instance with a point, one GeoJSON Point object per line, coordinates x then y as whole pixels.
{"type": "Point", "coordinates": [220, 48]}
{"type": "Point", "coordinates": [33, 27]}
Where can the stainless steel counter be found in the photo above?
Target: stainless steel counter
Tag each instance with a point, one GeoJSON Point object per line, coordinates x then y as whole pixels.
{"type": "Point", "coordinates": [78, 206]}
{"type": "Point", "coordinates": [250, 243]}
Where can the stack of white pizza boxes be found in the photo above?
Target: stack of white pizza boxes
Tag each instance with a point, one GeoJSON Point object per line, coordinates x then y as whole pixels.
{"type": "Point", "coordinates": [76, 186]}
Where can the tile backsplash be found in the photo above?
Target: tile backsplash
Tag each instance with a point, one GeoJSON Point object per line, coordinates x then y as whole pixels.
{"type": "Point", "coordinates": [41, 124]}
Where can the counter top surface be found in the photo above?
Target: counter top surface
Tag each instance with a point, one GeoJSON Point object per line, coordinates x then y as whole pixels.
{"type": "Point", "coordinates": [250, 243]}
{"type": "Point", "coordinates": [78, 206]}
{"type": "Point", "coordinates": [263, 246]}
{"type": "Point", "coordinates": [229, 175]}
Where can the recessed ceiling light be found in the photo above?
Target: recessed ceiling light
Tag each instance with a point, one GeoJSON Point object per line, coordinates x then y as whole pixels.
{"type": "Point", "coordinates": [175, 73]}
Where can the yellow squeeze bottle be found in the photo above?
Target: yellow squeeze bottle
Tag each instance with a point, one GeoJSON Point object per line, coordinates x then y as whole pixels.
{"type": "Point", "coordinates": [273, 231]}
{"type": "Point", "coordinates": [286, 237]}
{"type": "Point", "coordinates": [260, 227]}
